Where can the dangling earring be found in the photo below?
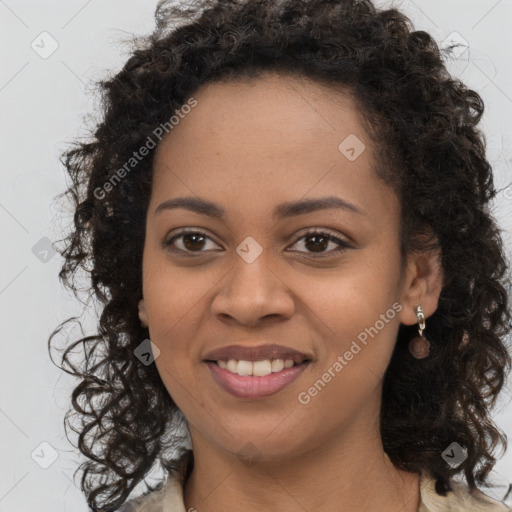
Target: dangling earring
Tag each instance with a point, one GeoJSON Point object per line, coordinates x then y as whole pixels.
{"type": "Point", "coordinates": [419, 347]}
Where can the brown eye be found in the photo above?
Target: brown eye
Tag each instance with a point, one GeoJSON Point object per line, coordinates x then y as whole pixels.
{"type": "Point", "coordinates": [193, 241]}
{"type": "Point", "coordinates": [190, 241]}
{"type": "Point", "coordinates": [316, 242]}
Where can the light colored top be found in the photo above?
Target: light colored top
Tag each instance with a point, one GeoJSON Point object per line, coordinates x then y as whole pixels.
{"type": "Point", "coordinates": [169, 498]}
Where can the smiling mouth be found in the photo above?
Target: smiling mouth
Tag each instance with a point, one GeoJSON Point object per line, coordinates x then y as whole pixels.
{"type": "Point", "coordinates": [252, 380]}
{"type": "Point", "coordinates": [256, 368]}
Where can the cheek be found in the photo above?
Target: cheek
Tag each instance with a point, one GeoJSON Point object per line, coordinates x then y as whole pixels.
{"type": "Point", "coordinates": [172, 295]}
{"type": "Point", "coordinates": [357, 317]}
{"type": "Point", "coordinates": [354, 296]}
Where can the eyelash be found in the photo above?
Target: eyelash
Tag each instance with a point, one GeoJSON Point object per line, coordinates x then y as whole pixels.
{"type": "Point", "coordinates": [331, 238]}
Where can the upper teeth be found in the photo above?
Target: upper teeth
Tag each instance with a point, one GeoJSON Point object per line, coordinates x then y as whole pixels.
{"type": "Point", "coordinates": [256, 368]}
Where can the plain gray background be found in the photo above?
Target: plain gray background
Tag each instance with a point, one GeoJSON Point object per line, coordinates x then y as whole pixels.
{"type": "Point", "coordinates": [42, 101]}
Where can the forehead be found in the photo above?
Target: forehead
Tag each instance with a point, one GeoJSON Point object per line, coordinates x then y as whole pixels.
{"type": "Point", "coordinates": [268, 140]}
{"type": "Point", "coordinates": [246, 111]}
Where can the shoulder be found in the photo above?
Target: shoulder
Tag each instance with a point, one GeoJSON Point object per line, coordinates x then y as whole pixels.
{"type": "Point", "coordinates": [168, 496]}
{"type": "Point", "coordinates": [149, 502]}
{"type": "Point", "coordinates": [460, 499]}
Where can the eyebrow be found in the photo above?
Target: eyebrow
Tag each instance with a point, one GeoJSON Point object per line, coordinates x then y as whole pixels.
{"type": "Point", "coordinates": [281, 211]}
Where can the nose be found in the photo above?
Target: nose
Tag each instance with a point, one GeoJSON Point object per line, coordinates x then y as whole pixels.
{"type": "Point", "coordinates": [251, 293]}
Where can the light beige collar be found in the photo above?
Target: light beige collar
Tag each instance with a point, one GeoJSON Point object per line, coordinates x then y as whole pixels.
{"type": "Point", "coordinates": [460, 500]}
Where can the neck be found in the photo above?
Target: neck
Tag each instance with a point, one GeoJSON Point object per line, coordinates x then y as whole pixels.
{"type": "Point", "coordinates": [351, 472]}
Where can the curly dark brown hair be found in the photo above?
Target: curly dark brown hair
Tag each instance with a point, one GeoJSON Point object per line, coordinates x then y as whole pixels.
{"type": "Point", "coordinates": [423, 122]}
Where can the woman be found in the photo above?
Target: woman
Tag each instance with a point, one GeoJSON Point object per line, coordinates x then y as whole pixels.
{"type": "Point", "coordinates": [285, 215]}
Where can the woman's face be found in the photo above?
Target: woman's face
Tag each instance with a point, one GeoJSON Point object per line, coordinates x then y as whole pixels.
{"type": "Point", "coordinates": [254, 278]}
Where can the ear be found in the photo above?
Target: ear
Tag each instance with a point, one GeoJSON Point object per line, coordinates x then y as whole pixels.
{"type": "Point", "coordinates": [142, 313]}
{"type": "Point", "coordinates": [423, 283]}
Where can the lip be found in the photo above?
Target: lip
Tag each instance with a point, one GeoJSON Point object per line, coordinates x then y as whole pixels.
{"type": "Point", "coordinates": [250, 387]}
{"type": "Point", "coordinates": [256, 353]}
